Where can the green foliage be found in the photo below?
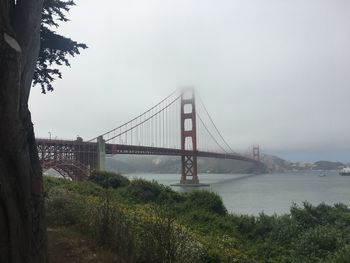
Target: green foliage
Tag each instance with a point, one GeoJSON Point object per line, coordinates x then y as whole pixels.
{"type": "Point", "coordinates": [342, 256]}
{"type": "Point", "coordinates": [54, 48]}
{"type": "Point", "coordinates": [142, 191]}
{"type": "Point", "coordinates": [136, 234]}
{"type": "Point", "coordinates": [168, 241]}
{"type": "Point", "coordinates": [244, 224]}
{"type": "Point", "coordinates": [82, 188]}
{"type": "Point", "coordinates": [148, 222]}
{"type": "Point", "coordinates": [310, 216]}
{"type": "Point", "coordinates": [64, 208]}
{"type": "Point", "coordinates": [284, 230]}
{"type": "Point", "coordinates": [108, 179]}
{"type": "Point", "coordinates": [205, 200]}
{"type": "Point", "coordinates": [206, 222]}
{"type": "Point", "coordinates": [318, 243]}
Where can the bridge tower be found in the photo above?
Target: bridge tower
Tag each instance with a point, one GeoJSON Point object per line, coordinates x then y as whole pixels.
{"type": "Point", "coordinates": [188, 138]}
{"type": "Point", "coordinates": [256, 153]}
{"type": "Point", "coordinates": [258, 167]}
{"type": "Point", "coordinates": [101, 153]}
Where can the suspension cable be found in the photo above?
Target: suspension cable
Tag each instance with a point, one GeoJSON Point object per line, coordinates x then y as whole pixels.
{"type": "Point", "coordinates": [211, 120]}
{"type": "Point", "coordinates": [135, 117]}
{"type": "Point", "coordinates": [145, 120]}
{"type": "Point", "coordinates": [211, 135]}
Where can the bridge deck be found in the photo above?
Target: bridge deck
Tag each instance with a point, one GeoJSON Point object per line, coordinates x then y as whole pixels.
{"type": "Point", "coordinates": [81, 146]}
{"type": "Point", "coordinates": [75, 159]}
{"type": "Point", "coordinates": [143, 150]}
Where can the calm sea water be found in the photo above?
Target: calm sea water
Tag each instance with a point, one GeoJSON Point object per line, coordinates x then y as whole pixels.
{"type": "Point", "coordinates": [268, 193]}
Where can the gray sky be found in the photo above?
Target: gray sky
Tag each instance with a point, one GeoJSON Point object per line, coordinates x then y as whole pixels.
{"type": "Point", "coordinates": [271, 72]}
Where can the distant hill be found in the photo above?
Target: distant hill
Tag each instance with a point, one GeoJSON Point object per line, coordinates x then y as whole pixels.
{"type": "Point", "coordinates": [172, 164]}
{"type": "Point", "coordinates": [143, 164]}
{"type": "Point", "coordinates": [276, 164]}
{"type": "Point", "coordinates": [326, 165]}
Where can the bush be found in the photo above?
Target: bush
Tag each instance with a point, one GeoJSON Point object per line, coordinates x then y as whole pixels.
{"type": "Point", "coordinates": [285, 230]}
{"type": "Point", "coordinates": [342, 256]}
{"type": "Point", "coordinates": [161, 225]}
{"type": "Point", "coordinates": [147, 233]}
{"type": "Point", "coordinates": [64, 208]}
{"type": "Point", "coordinates": [82, 188]}
{"type": "Point", "coordinates": [205, 200]}
{"type": "Point", "coordinates": [142, 191]}
{"type": "Point", "coordinates": [318, 243]}
{"type": "Point", "coordinates": [108, 179]}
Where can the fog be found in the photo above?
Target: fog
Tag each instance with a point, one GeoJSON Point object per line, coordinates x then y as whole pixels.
{"type": "Point", "coordinates": [273, 72]}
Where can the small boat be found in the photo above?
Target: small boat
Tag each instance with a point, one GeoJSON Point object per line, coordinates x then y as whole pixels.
{"type": "Point", "coordinates": [322, 175]}
{"type": "Point", "coordinates": [345, 171]}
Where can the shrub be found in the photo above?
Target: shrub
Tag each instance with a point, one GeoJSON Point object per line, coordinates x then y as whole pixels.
{"type": "Point", "coordinates": [142, 191]}
{"type": "Point", "coordinates": [342, 256]}
{"type": "Point", "coordinates": [161, 239]}
{"type": "Point", "coordinates": [245, 224]}
{"type": "Point", "coordinates": [108, 179]}
{"type": "Point", "coordinates": [285, 230]}
{"type": "Point", "coordinates": [205, 200]}
{"type": "Point", "coordinates": [84, 188]}
{"type": "Point", "coordinates": [318, 243]}
{"type": "Point", "coordinates": [63, 208]}
{"type": "Point", "coordinates": [264, 225]}
{"type": "Point", "coordinates": [161, 225]}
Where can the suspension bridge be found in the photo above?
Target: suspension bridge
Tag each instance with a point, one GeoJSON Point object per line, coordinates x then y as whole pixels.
{"type": "Point", "coordinates": [176, 126]}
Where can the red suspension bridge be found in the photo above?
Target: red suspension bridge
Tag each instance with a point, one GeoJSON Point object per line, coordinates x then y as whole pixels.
{"type": "Point", "coordinates": [176, 126]}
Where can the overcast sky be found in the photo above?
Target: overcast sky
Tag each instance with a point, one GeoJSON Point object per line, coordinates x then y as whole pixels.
{"type": "Point", "coordinates": [271, 72]}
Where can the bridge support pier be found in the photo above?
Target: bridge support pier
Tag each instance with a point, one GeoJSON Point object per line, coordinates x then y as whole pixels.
{"type": "Point", "coordinates": [189, 170]}
{"type": "Point", "coordinates": [101, 147]}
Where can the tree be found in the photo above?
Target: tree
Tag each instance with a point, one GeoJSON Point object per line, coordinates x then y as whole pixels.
{"type": "Point", "coordinates": [54, 48]}
{"type": "Point", "coordinates": [22, 215]}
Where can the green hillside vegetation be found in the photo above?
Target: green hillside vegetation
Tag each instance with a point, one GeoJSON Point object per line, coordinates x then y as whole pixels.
{"type": "Point", "coordinates": [142, 221]}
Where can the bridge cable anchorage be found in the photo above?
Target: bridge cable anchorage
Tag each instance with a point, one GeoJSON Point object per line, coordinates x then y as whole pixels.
{"type": "Point", "coordinates": [211, 120]}
{"type": "Point", "coordinates": [112, 130]}
{"type": "Point", "coordinates": [145, 120]}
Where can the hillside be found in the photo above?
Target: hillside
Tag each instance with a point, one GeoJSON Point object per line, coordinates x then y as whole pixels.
{"type": "Point", "coordinates": [65, 245]}
{"type": "Point", "coordinates": [171, 164]}
{"type": "Point", "coordinates": [166, 164]}
{"type": "Point", "coordinates": [276, 164]}
{"type": "Point", "coordinates": [142, 221]}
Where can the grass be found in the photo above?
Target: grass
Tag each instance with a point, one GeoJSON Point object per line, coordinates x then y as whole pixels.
{"type": "Point", "coordinates": [66, 245]}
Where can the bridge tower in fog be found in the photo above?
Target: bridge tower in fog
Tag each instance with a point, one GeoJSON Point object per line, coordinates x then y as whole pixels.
{"type": "Point", "coordinates": [188, 138]}
{"type": "Point", "coordinates": [256, 153]}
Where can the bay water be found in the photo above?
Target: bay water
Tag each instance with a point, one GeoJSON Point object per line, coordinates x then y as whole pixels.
{"type": "Point", "coordinates": [268, 193]}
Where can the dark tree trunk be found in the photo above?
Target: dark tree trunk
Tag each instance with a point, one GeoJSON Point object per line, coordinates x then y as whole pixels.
{"type": "Point", "coordinates": [22, 217]}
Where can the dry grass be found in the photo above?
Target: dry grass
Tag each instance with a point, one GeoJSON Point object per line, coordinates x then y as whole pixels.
{"type": "Point", "coordinates": [68, 246]}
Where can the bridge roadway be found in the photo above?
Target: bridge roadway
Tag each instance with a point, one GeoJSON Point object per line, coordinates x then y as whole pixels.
{"type": "Point", "coordinates": [55, 148]}
{"type": "Point", "coordinates": [145, 150]}
{"type": "Point", "coordinates": [76, 159]}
